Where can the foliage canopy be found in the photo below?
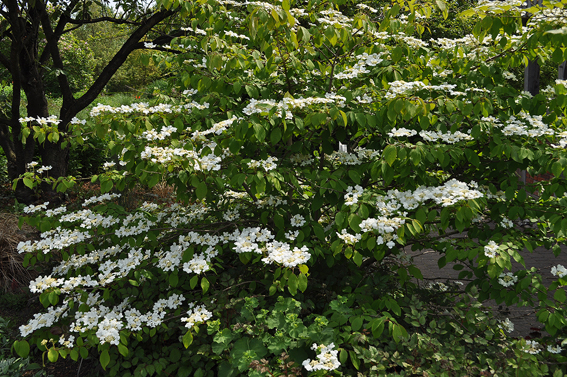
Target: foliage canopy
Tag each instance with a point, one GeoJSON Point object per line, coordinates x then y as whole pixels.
{"type": "Point", "coordinates": [311, 146]}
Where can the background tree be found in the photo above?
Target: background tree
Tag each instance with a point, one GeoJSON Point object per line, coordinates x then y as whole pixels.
{"type": "Point", "coordinates": [31, 36]}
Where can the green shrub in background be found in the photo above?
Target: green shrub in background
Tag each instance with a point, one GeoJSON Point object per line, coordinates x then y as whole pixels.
{"type": "Point", "coordinates": [79, 62]}
{"type": "Point", "coordinates": [310, 149]}
{"type": "Point", "coordinates": [11, 366]}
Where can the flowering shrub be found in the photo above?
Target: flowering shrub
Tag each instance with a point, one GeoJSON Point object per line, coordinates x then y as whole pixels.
{"type": "Point", "coordinates": [310, 149]}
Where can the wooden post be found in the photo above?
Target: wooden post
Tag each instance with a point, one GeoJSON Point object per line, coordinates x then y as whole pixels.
{"type": "Point", "coordinates": [531, 77]}
{"type": "Point", "coordinates": [562, 71]}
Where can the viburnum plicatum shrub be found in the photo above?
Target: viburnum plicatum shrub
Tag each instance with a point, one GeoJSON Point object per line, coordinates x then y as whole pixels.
{"type": "Point", "coordinates": [311, 146]}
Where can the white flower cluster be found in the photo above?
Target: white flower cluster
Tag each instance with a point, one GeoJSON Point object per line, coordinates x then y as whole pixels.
{"type": "Point", "coordinates": [297, 220]}
{"type": "Point", "coordinates": [165, 132]}
{"type": "Point", "coordinates": [386, 228]}
{"type": "Point", "coordinates": [52, 119]}
{"type": "Point", "coordinates": [398, 88]}
{"type": "Point", "coordinates": [559, 271]}
{"type": "Point", "coordinates": [360, 156]}
{"type": "Point", "coordinates": [491, 250]}
{"type": "Point", "coordinates": [34, 208]}
{"type": "Point", "coordinates": [144, 108]}
{"type": "Point", "coordinates": [56, 211]}
{"type": "Point", "coordinates": [450, 138]}
{"type": "Point", "coordinates": [326, 359]}
{"type": "Point", "coordinates": [196, 30]}
{"type": "Point", "coordinates": [281, 253]}
{"type": "Point", "coordinates": [352, 195]}
{"type": "Point", "coordinates": [401, 132]}
{"type": "Point", "coordinates": [364, 60]}
{"type": "Point", "coordinates": [41, 320]}
{"type": "Point", "coordinates": [366, 7]}
{"type": "Point", "coordinates": [448, 194]}
{"type": "Point", "coordinates": [233, 34]}
{"type": "Point", "coordinates": [42, 283]}
{"type": "Point", "coordinates": [349, 238]}
{"type": "Point", "coordinates": [506, 325]}
{"type": "Point", "coordinates": [100, 199]}
{"type": "Point", "coordinates": [397, 203]}
{"type": "Point", "coordinates": [200, 262]}
{"type": "Point", "coordinates": [506, 223]}
{"type": "Point", "coordinates": [267, 164]}
{"type": "Point", "coordinates": [217, 129]}
{"type": "Point", "coordinates": [166, 155]}
{"type": "Point", "coordinates": [532, 347]}
{"type": "Point", "coordinates": [44, 168]}
{"type": "Point", "coordinates": [270, 201]}
{"type": "Point", "coordinates": [522, 125]}
{"type": "Point", "coordinates": [196, 314]}
{"type": "Point", "coordinates": [552, 349]}
{"type": "Point", "coordinates": [507, 279]}
{"type": "Point", "coordinates": [333, 17]}
{"type": "Point", "coordinates": [287, 104]}
{"type": "Point", "coordinates": [76, 120]}
{"type": "Point", "coordinates": [108, 165]}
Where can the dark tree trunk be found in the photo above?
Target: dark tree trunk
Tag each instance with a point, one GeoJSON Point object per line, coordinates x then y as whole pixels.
{"type": "Point", "coordinates": [29, 22]}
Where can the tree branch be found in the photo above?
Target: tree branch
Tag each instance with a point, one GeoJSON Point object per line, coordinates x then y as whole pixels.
{"type": "Point", "coordinates": [70, 109]}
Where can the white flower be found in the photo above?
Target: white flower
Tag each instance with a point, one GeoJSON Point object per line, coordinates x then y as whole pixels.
{"type": "Point", "coordinates": [108, 165]}
{"type": "Point", "coordinates": [491, 250]}
{"type": "Point", "coordinates": [506, 325]}
{"type": "Point", "coordinates": [44, 168]}
{"type": "Point", "coordinates": [326, 359]}
{"type": "Point", "coordinates": [196, 315]}
{"type": "Point", "coordinates": [506, 223]}
{"type": "Point", "coordinates": [352, 195]}
{"type": "Point", "coordinates": [557, 349]}
{"type": "Point", "coordinates": [507, 279]}
{"type": "Point", "coordinates": [532, 347]}
{"type": "Point", "coordinates": [349, 238]}
{"type": "Point", "coordinates": [559, 271]}
{"type": "Point", "coordinates": [401, 132]}
{"type": "Point", "coordinates": [297, 221]}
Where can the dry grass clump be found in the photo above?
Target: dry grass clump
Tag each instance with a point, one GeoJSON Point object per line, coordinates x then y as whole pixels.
{"type": "Point", "coordinates": [13, 275]}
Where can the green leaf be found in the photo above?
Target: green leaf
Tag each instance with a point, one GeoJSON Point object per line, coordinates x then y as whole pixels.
{"type": "Point", "coordinates": [560, 295]}
{"type": "Point", "coordinates": [390, 153]}
{"type": "Point", "coordinates": [356, 323]}
{"type": "Point", "coordinates": [355, 176]}
{"type": "Point", "coordinates": [557, 168]}
{"type": "Point", "coordinates": [193, 282]}
{"type": "Point", "coordinates": [276, 136]}
{"type": "Point", "coordinates": [187, 339]}
{"type": "Point", "coordinates": [354, 221]}
{"type": "Point", "coordinates": [106, 186]}
{"type": "Point", "coordinates": [354, 359]}
{"type": "Point", "coordinates": [361, 119]}
{"type": "Point", "coordinates": [205, 284]}
{"type": "Point", "coordinates": [292, 284]}
{"type": "Point", "coordinates": [173, 279]}
{"type": "Point", "coordinates": [52, 355]}
{"type": "Point", "coordinates": [302, 282]}
{"type": "Point", "coordinates": [28, 182]}
{"type": "Point", "coordinates": [357, 258]}
{"type": "Point", "coordinates": [201, 190]}
{"type": "Point", "coordinates": [122, 349]}
{"type": "Point", "coordinates": [104, 359]}
{"type": "Point", "coordinates": [22, 348]}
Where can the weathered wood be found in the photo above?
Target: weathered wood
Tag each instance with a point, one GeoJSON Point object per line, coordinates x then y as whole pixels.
{"type": "Point", "coordinates": [531, 77]}
{"type": "Point", "coordinates": [562, 71]}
